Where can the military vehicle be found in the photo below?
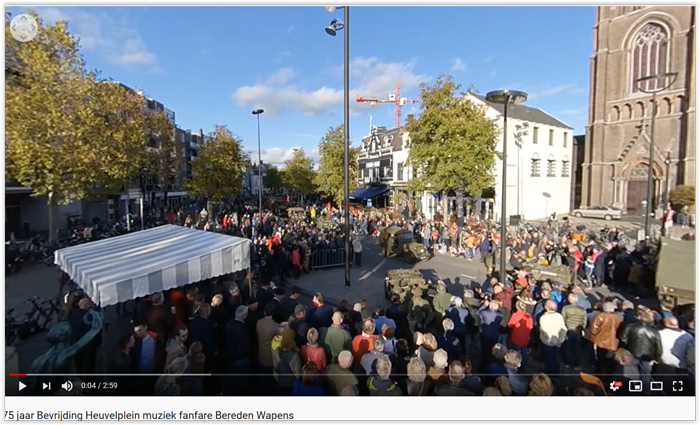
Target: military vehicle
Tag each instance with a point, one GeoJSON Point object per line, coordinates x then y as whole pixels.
{"type": "Point", "coordinates": [675, 271]}
{"type": "Point", "coordinates": [295, 212]}
{"type": "Point", "coordinates": [399, 241]}
{"type": "Point", "coordinates": [277, 204]}
{"type": "Point", "coordinates": [326, 224]}
{"type": "Point", "coordinates": [551, 272]}
{"type": "Point", "coordinates": [403, 282]}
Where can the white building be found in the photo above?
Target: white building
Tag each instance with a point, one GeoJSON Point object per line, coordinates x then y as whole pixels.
{"type": "Point", "coordinates": [540, 148]}
{"type": "Point", "coordinates": [251, 179]}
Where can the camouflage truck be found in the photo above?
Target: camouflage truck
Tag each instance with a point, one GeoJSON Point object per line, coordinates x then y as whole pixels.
{"type": "Point", "coordinates": [675, 271]}
{"type": "Point", "coordinates": [402, 282]}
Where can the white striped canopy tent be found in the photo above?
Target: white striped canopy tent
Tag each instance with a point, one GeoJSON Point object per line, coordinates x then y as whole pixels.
{"type": "Point", "coordinates": [134, 265]}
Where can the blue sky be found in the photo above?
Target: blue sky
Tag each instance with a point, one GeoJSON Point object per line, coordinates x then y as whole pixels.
{"type": "Point", "coordinates": [213, 65]}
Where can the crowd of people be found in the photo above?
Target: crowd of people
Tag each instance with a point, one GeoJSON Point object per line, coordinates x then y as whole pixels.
{"type": "Point", "coordinates": [480, 343]}
{"type": "Point", "coordinates": [513, 336]}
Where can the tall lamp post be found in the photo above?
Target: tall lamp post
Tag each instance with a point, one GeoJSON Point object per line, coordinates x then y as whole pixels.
{"type": "Point", "coordinates": [505, 98]}
{"type": "Point", "coordinates": [332, 29]}
{"type": "Point", "coordinates": [653, 84]}
{"type": "Point", "coordinates": [257, 113]}
{"type": "Point", "coordinates": [667, 193]}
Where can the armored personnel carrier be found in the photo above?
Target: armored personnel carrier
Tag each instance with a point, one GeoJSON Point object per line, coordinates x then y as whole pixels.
{"type": "Point", "coordinates": [402, 282]}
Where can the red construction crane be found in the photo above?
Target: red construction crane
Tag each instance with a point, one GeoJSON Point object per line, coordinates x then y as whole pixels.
{"type": "Point", "coordinates": [396, 99]}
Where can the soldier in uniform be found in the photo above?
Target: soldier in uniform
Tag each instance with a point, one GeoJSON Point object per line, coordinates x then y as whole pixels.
{"type": "Point", "coordinates": [441, 300]}
{"type": "Point", "coordinates": [389, 247]}
{"type": "Point", "coordinates": [420, 313]}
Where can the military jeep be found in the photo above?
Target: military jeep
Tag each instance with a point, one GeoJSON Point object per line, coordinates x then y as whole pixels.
{"type": "Point", "coordinates": [326, 224]}
{"type": "Point", "coordinates": [402, 283]}
{"type": "Point", "coordinates": [398, 241]}
{"type": "Point", "coordinates": [552, 272]}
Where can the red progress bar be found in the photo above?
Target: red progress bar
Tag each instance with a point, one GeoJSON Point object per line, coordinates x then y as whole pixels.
{"type": "Point", "coordinates": [18, 374]}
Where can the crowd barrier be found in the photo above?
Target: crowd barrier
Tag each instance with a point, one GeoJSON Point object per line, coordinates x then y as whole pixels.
{"type": "Point", "coordinates": [328, 258]}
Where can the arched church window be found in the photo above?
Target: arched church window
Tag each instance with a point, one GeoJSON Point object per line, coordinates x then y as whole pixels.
{"type": "Point", "coordinates": [649, 56]}
{"type": "Point", "coordinates": [639, 172]}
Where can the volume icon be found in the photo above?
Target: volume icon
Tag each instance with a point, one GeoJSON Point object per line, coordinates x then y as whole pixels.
{"type": "Point", "coordinates": [68, 386]}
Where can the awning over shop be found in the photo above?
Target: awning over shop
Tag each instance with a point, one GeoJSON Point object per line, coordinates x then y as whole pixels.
{"type": "Point", "coordinates": [137, 264]}
{"type": "Point", "coordinates": [368, 192]}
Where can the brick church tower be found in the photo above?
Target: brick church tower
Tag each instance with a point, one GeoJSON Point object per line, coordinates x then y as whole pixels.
{"type": "Point", "coordinates": [630, 42]}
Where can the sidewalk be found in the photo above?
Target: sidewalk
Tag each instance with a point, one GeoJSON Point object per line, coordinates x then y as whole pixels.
{"type": "Point", "coordinates": [331, 283]}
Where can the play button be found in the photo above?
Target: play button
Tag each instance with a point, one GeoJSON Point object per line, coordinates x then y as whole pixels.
{"type": "Point", "coordinates": [22, 386]}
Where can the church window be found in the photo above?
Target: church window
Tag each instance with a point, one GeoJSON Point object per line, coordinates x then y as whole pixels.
{"type": "Point", "coordinates": [649, 56]}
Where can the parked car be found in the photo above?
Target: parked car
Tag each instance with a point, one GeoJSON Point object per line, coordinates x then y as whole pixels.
{"type": "Point", "coordinates": [598, 211]}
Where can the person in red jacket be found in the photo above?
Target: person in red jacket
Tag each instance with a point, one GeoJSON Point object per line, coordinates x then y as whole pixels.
{"type": "Point", "coordinates": [362, 343]}
{"type": "Point", "coordinates": [178, 300]}
{"type": "Point", "coordinates": [520, 325]}
{"type": "Point", "coordinates": [504, 294]}
{"type": "Point", "coordinates": [312, 352]}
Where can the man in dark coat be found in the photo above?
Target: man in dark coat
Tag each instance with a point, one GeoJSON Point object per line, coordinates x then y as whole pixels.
{"type": "Point", "coordinates": [202, 330]}
{"type": "Point", "coordinates": [238, 353]}
{"type": "Point", "coordinates": [321, 315]}
{"type": "Point", "coordinates": [289, 303]}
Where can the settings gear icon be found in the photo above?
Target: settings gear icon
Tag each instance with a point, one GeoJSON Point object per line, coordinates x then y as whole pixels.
{"type": "Point", "coordinates": [615, 385]}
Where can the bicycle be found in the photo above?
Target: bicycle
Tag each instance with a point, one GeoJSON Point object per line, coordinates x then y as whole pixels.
{"type": "Point", "coordinates": [44, 312]}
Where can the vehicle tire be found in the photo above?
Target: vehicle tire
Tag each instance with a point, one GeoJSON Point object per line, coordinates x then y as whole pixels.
{"type": "Point", "coordinates": [607, 217]}
{"type": "Point", "coordinates": [578, 214]}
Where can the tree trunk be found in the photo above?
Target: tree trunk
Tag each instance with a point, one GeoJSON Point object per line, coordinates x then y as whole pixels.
{"type": "Point", "coordinates": [459, 194]}
{"type": "Point", "coordinates": [53, 234]}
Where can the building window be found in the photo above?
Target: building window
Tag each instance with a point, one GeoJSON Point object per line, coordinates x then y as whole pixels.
{"type": "Point", "coordinates": [535, 133]}
{"type": "Point", "coordinates": [566, 139]}
{"type": "Point", "coordinates": [565, 168]}
{"type": "Point", "coordinates": [551, 168]}
{"type": "Point", "coordinates": [399, 172]}
{"type": "Point", "coordinates": [649, 56]}
{"type": "Point", "coordinates": [535, 167]}
{"type": "Point", "coordinates": [551, 137]}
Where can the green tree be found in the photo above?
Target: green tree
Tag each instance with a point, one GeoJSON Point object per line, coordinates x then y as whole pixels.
{"type": "Point", "coordinates": [329, 177]}
{"type": "Point", "coordinates": [682, 196]}
{"type": "Point", "coordinates": [218, 170]}
{"type": "Point", "coordinates": [272, 178]}
{"type": "Point", "coordinates": [68, 133]}
{"type": "Point", "coordinates": [452, 143]}
{"type": "Point", "coordinates": [299, 173]}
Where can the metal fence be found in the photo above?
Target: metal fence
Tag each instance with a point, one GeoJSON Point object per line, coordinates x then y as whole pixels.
{"type": "Point", "coordinates": [328, 258]}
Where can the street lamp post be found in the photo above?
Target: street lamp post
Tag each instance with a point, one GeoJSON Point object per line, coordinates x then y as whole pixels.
{"type": "Point", "coordinates": [653, 84]}
{"type": "Point", "coordinates": [332, 30]}
{"type": "Point", "coordinates": [257, 113]}
{"type": "Point", "coordinates": [506, 98]}
{"type": "Point", "coordinates": [667, 197]}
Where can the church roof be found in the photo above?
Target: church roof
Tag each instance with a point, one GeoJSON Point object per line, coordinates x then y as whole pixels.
{"type": "Point", "coordinates": [526, 113]}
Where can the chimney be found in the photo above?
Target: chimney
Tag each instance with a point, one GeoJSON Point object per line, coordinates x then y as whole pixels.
{"type": "Point", "coordinates": [409, 118]}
